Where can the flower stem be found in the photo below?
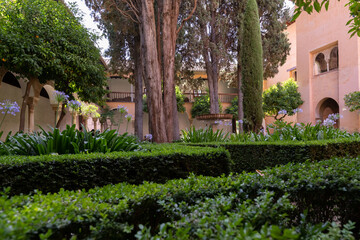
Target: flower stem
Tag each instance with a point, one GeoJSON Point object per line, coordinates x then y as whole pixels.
{"type": "Point", "coordinates": [56, 114]}
{"type": "Point", "coordinates": [3, 118]}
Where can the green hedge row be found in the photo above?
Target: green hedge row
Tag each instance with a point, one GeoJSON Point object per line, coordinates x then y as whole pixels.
{"type": "Point", "coordinates": [329, 190]}
{"type": "Point", "coordinates": [159, 163]}
{"type": "Point", "coordinates": [259, 155]}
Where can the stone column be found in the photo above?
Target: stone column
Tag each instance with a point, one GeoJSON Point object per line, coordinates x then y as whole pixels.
{"type": "Point", "coordinates": [95, 121]}
{"type": "Point", "coordinates": [57, 109]}
{"type": "Point", "coordinates": [73, 118]}
{"type": "Point", "coordinates": [85, 122]}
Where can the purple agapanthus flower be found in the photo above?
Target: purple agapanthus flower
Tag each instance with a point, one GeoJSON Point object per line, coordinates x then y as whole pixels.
{"type": "Point", "coordinates": [297, 110]}
{"type": "Point", "coordinates": [122, 109]}
{"type": "Point", "coordinates": [282, 112]}
{"type": "Point", "coordinates": [148, 137]}
{"type": "Point", "coordinates": [60, 96]}
{"type": "Point", "coordinates": [9, 107]}
{"type": "Point", "coordinates": [74, 105]}
{"type": "Point", "coordinates": [128, 117]}
{"type": "Point", "coordinates": [228, 123]}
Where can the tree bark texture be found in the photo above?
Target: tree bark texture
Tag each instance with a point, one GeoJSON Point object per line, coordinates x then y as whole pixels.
{"type": "Point", "coordinates": [62, 115]}
{"type": "Point", "coordinates": [24, 106]}
{"type": "Point", "coordinates": [169, 35]}
{"type": "Point", "coordinates": [211, 61]}
{"type": "Point", "coordinates": [138, 90]}
{"type": "Point", "coordinates": [152, 69]}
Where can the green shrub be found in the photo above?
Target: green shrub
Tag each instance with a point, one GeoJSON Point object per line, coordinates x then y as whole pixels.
{"type": "Point", "coordinates": [194, 135]}
{"type": "Point", "coordinates": [250, 156]}
{"type": "Point", "coordinates": [225, 217]}
{"type": "Point", "coordinates": [328, 190]}
{"type": "Point", "coordinates": [159, 163]}
{"type": "Point", "coordinates": [69, 141]}
{"type": "Point", "coordinates": [201, 106]}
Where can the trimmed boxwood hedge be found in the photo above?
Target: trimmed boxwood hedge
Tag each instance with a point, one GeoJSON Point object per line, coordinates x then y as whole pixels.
{"type": "Point", "coordinates": [159, 163]}
{"type": "Point", "coordinates": [259, 155]}
{"type": "Point", "coordinates": [328, 190]}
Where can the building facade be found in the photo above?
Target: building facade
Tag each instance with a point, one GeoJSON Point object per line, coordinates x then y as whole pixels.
{"type": "Point", "coordinates": [325, 62]}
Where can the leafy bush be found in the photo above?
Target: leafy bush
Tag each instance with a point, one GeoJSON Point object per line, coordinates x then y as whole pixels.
{"type": "Point", "coordinates": [157, 163]}
{"type": "Point", "coordinates": [283, 97]}
{"type": "Point", "coordinates": [233, 108]}
{"type": "Point", "coordinates": [249, 156]}
{"type": "Point", "coordinates": [69, 141]}
{"type": "Point", "coordinates": [225, 217]}
{"type": "Point", "coordinates": [201, 106]}
{"type": "Point", "coordinates": [234, 205]}
{"type": "Point", "coordinates": [352, 101]}
{"type": "Point", "coordinates": [193, 135]}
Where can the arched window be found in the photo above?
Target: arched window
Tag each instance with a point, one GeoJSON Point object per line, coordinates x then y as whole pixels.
{"type": "Point", "coordinates": [44, 93]}
{"type": "Point", "coordinates": [10, 79]}
{"type": "Point", "coordinates": [334, 59]}
{"type": "Point", "coordinates": [320, 63]}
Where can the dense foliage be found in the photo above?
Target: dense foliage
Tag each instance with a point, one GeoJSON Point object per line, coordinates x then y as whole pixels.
{"type": "Point", "coordinates": [277, 132]}
{"type": "Point", "coordinates": [252, 71]}
{"type": "Point", "coordinates": [194, 135]}
{"type": "Point", "coordinates": [42, 39]}
{"type": "Point", "coordinates": [282, 98]}
{"type": "Point", "coordinates": [352, 101]}
{"type": "Point", "coordinates": [201, 106]}
{"type": "Point", "coordinates": [199, 206]}
{"type": "Point", "coordinates": [157, 163]}
{"type": "Point", "coordinates": [69, 141]}
{"type": "Point", "coordinates": [259, 155]}
{"type": "Point", "coordinates": [233, 108]}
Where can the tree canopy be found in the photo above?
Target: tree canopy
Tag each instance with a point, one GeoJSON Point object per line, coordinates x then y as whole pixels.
{"type": "Point", "coordinates": [252, 72]}
{"type": "Point", "coordinates": [43, 40]}
{"type": "Point", "coordinates": [282, 99]}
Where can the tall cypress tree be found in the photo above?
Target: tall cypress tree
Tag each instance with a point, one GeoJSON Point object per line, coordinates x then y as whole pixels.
{"type": "Point", "coordinates": [252, 68]}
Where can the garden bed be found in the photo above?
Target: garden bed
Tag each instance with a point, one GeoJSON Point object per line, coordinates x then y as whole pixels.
{"type": "Point", "coordinates": [259, 155]}
{"type": "Point", "coordinates": [328, 190]}
{"type": "Point", "coordinates": [158, 163]}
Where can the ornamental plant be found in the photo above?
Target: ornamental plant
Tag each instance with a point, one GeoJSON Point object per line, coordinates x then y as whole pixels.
{"type": "Point", "coordinates": [8, 107]}
{"type": "Point", "coordinates": [74, 107]}
{"type": "Point", "coordinates": [60, 97]}
{"type": "Point", "coordinates": [128, 118]}
{"type": "Point", "coordinates": [201, 106]}
{"type": "Point", "coordinates": [352, 101]}
{"type": "Point", "coordinates": [123, 111]}
{"type": "Point", "coordinates": [282, 99]}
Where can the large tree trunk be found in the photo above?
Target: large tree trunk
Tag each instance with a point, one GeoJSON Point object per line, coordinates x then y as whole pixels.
{"type": "Point", "coordinates": [138, 90]}
{"type": "Point", "coordinates": [211, 61]}
{"type": "Point", "coordinates": [152, 68]}
{"type": "Point", "coordinates": [24, 105]}
{"type": "Point", "coordinates": [3, 71]}
{"type": "Point", "coordinates": [170, 16]}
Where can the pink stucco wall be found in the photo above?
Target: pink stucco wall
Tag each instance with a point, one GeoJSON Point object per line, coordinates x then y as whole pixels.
{"type": "Point", "coordinates": [319, 33]}
{"type": "Point", "coordinates": [315, 33]}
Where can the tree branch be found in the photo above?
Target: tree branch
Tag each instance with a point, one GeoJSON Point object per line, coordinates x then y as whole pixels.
{"type": "Point", "coordinates": [126, 13]}
{"type": "Point", "coordinates": [186, 19]}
